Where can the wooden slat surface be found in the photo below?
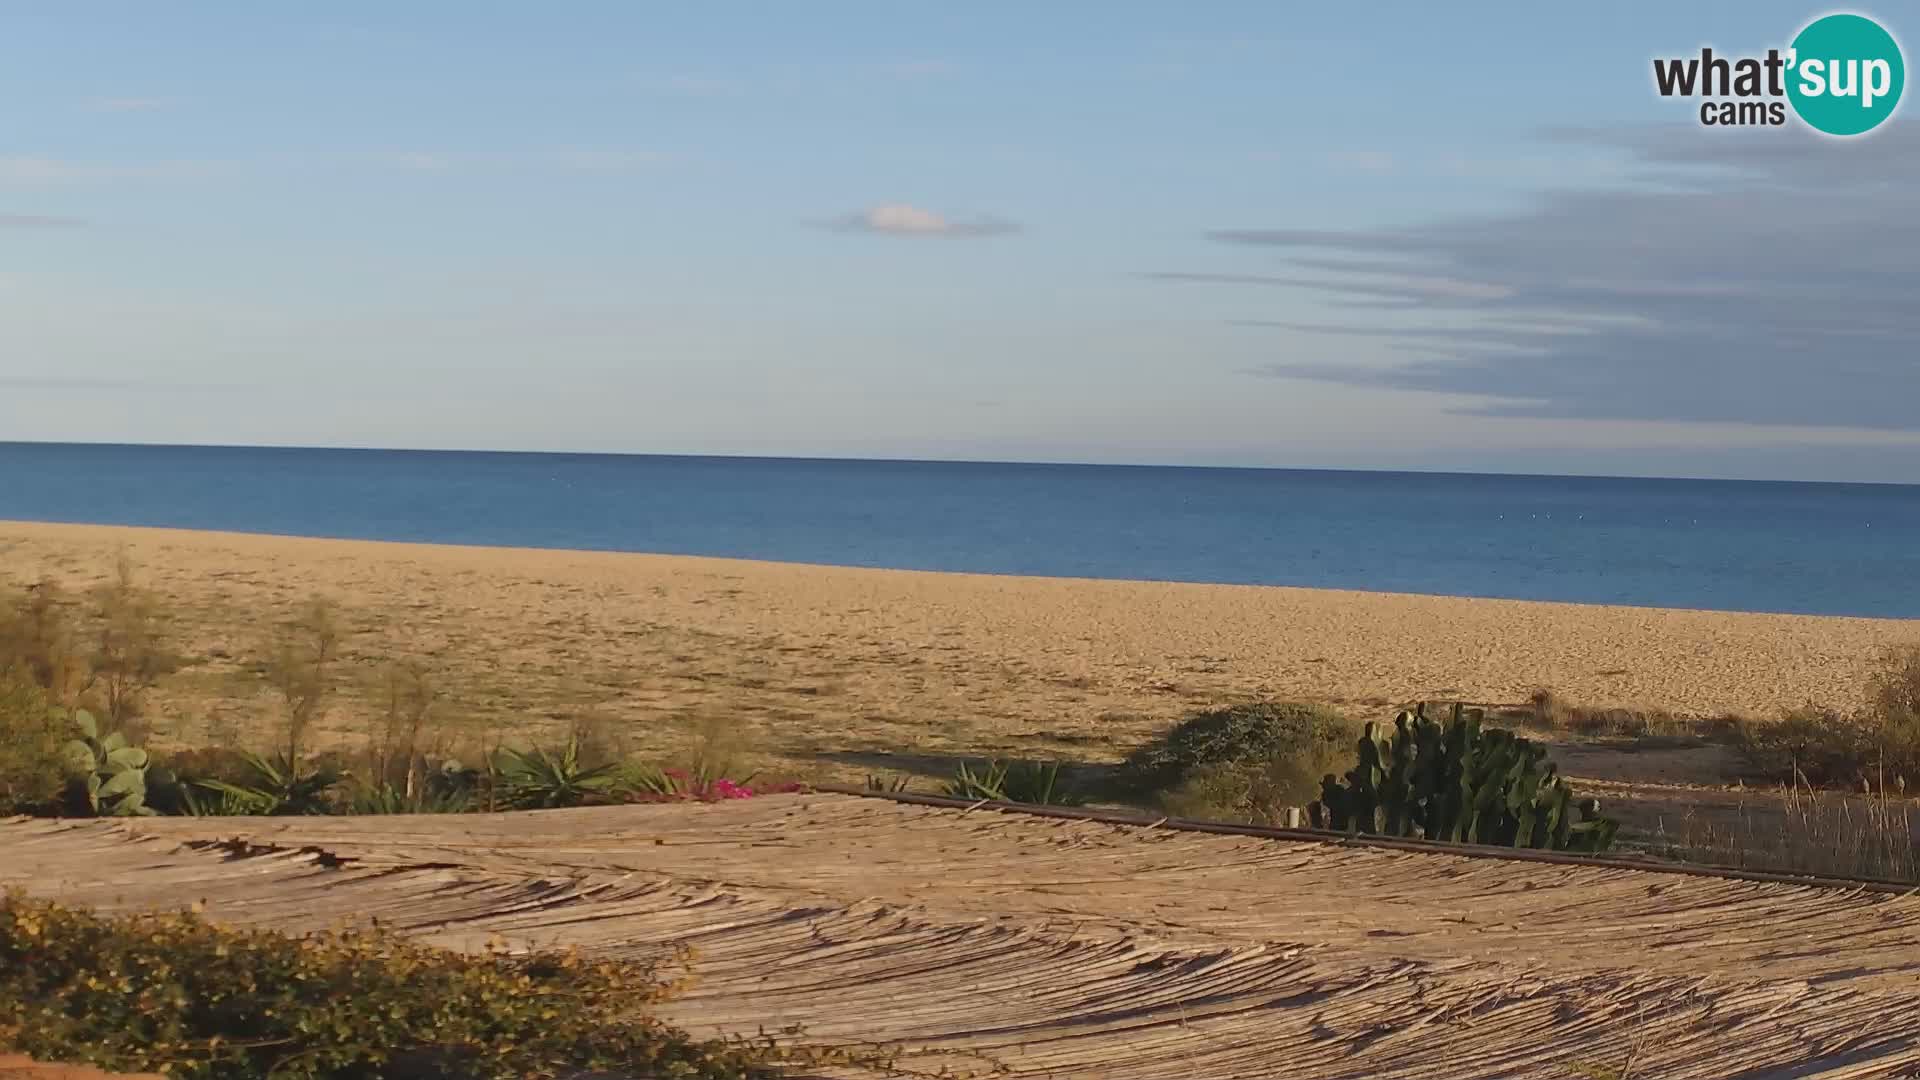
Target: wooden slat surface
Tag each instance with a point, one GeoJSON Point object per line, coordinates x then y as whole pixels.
{"type": "Point", "coordinates": [1059, 948]}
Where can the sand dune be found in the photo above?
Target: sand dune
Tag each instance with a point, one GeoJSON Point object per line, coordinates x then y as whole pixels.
{"type": "Point", "coordinates": [820, 663]}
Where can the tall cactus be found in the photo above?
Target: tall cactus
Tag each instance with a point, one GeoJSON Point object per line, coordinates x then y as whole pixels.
{"type": "Point", "coordinates": [1460, 783]}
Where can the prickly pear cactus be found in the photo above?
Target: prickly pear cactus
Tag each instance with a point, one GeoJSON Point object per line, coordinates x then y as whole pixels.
{"type": "Point", "coordinates": [1455, 781]}
{"type": "Point", "coordinates": [110, 776]}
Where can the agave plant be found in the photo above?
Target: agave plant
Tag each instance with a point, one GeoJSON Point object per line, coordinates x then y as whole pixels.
{"type": "Point", "coordinates": [1033, 782]}
{"type": "Point", "coordinates": [278, 787]}
{"type": "Point", "coordinates": [110, 777]}
{"type": "Point", "coordinates": [198, 798]}
{"type": "Point", "coordinates": [545, 778]}
{"type": "Point", "coordinates": [392, 799]}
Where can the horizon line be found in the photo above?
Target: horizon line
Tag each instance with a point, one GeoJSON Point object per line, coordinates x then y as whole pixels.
{"type": "Point", "coordinates": [301, 447]}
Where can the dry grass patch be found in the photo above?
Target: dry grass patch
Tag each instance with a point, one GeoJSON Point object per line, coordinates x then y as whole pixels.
{"type": "Point", "coordinates": [1805, 831]}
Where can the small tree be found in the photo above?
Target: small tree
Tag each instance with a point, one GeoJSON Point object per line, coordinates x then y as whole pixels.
{"type": "Point", "coordinates": [37, 640]}
{"type": "Point", "coordinates": [301, 670]}
{"type": "Point", "coordinates": [410, 696]}
{"type": "Point", "coordinates": [129, 655]}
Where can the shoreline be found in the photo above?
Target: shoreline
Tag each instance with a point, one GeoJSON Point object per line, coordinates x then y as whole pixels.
{"type": "Point", "coordinates": [835, 665]}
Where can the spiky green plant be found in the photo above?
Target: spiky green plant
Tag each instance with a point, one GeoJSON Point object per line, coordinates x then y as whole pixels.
{"type": "Point", "coordinates": [277, 787]}
{"type": "Point", "coordinates": [393, 799]}
{"type": "Point", "coordinates": [545, 778]}
{"type": "Point", "coordinates": [447, 789]}
{"type": "Point", "coordinates": [1034, 782]}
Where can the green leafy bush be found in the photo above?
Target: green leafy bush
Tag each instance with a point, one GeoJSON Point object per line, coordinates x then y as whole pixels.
{"type": "Point", "coordinates": [33, 768]}
{"type": "Point", "coordinates": [1242, 763]}
{"type": "Point", "coordinates": [173, 993]}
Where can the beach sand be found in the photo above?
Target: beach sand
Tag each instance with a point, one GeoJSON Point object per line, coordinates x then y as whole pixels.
{"type": "Point", "coordinates": [827, 670]}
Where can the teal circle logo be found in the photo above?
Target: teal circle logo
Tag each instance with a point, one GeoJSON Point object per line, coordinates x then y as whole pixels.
{"type": "Point", "coordinates": [1845, 74]}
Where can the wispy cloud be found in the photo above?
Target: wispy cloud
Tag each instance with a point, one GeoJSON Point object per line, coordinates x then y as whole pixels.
{"type": "Point", "coordinates": [39, 221]}
{"type": "Point", "coordinates": [1762, 278]}
{"type": "Point", "coordinates": [1399, 286]}
{"type": "Point", "coordinates": [26, 170]}
{"type": "Point", "coordinates": [899, 219]}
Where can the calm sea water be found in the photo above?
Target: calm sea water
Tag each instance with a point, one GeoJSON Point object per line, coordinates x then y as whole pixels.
{"type": "Point", "coordinates": [1850, 549]}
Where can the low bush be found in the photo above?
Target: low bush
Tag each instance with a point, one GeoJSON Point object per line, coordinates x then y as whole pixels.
{"type": "Point", "coordinates": [173, 993]}
{"type": "Point", "coordinates": [650, 783]}
{"type": "Point", "coordinates": [275, 787]}
{"type": "Point", "coordinates": [1240, 763]}
{"type": "Point", "coordinates": [1876, 748]}
{"type": "Point", "coordinates": [33, 768]}
{"type": "Point", "coordinates": [1547, 710]}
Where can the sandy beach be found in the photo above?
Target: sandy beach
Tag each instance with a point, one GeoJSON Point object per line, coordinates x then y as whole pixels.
{"type": "Point", "coordinates": [824, 664]}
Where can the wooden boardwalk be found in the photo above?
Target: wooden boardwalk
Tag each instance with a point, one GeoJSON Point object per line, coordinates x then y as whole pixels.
{"type": "Point", "coordinates": [1008, 944]}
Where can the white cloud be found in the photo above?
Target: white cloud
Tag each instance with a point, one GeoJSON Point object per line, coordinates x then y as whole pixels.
{"type": "Point", "coordinates": [900, 219]}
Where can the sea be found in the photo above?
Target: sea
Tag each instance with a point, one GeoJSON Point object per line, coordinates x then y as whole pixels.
{"type": "Point", "coordinates": [1813, 548]}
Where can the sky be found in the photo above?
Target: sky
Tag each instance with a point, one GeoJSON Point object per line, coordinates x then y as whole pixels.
{"type": "Point", "coordinates": [1382, 235]}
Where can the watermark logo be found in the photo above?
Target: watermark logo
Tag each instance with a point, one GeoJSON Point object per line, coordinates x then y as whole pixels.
{"type": "Point", "coordinates": [1842, 75]}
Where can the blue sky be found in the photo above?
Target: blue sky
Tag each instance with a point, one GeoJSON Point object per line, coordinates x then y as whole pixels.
{"type": "Point", "coordinates": [1251, 234]}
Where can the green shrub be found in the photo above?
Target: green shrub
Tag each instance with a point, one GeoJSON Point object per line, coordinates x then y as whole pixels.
{"type": "Point", "coordinates": [173, 993]}
{"type": "Point", "coordinates": [1034, 782]}
{"type": "Point", "coordinates": [208, 763]}
{"type": "Point", "coordinates": [276, 787]}
{"type": "Point", "coordinates": [389, 799]}
{"type": "Point", "coordinates": [1240, 763]}
{"type": "Point", "coordinates": [33, 769]}
{"type": "Point", "coordinates": [545, 777]}
{"type": "Point", "coordinates": [446, 788]}
{"type": "Point", "coordinates": [1255, 792]}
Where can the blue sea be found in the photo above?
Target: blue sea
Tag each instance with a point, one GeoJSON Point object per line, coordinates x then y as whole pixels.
{"type": "Point", "coordinates": [1840, 549]}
